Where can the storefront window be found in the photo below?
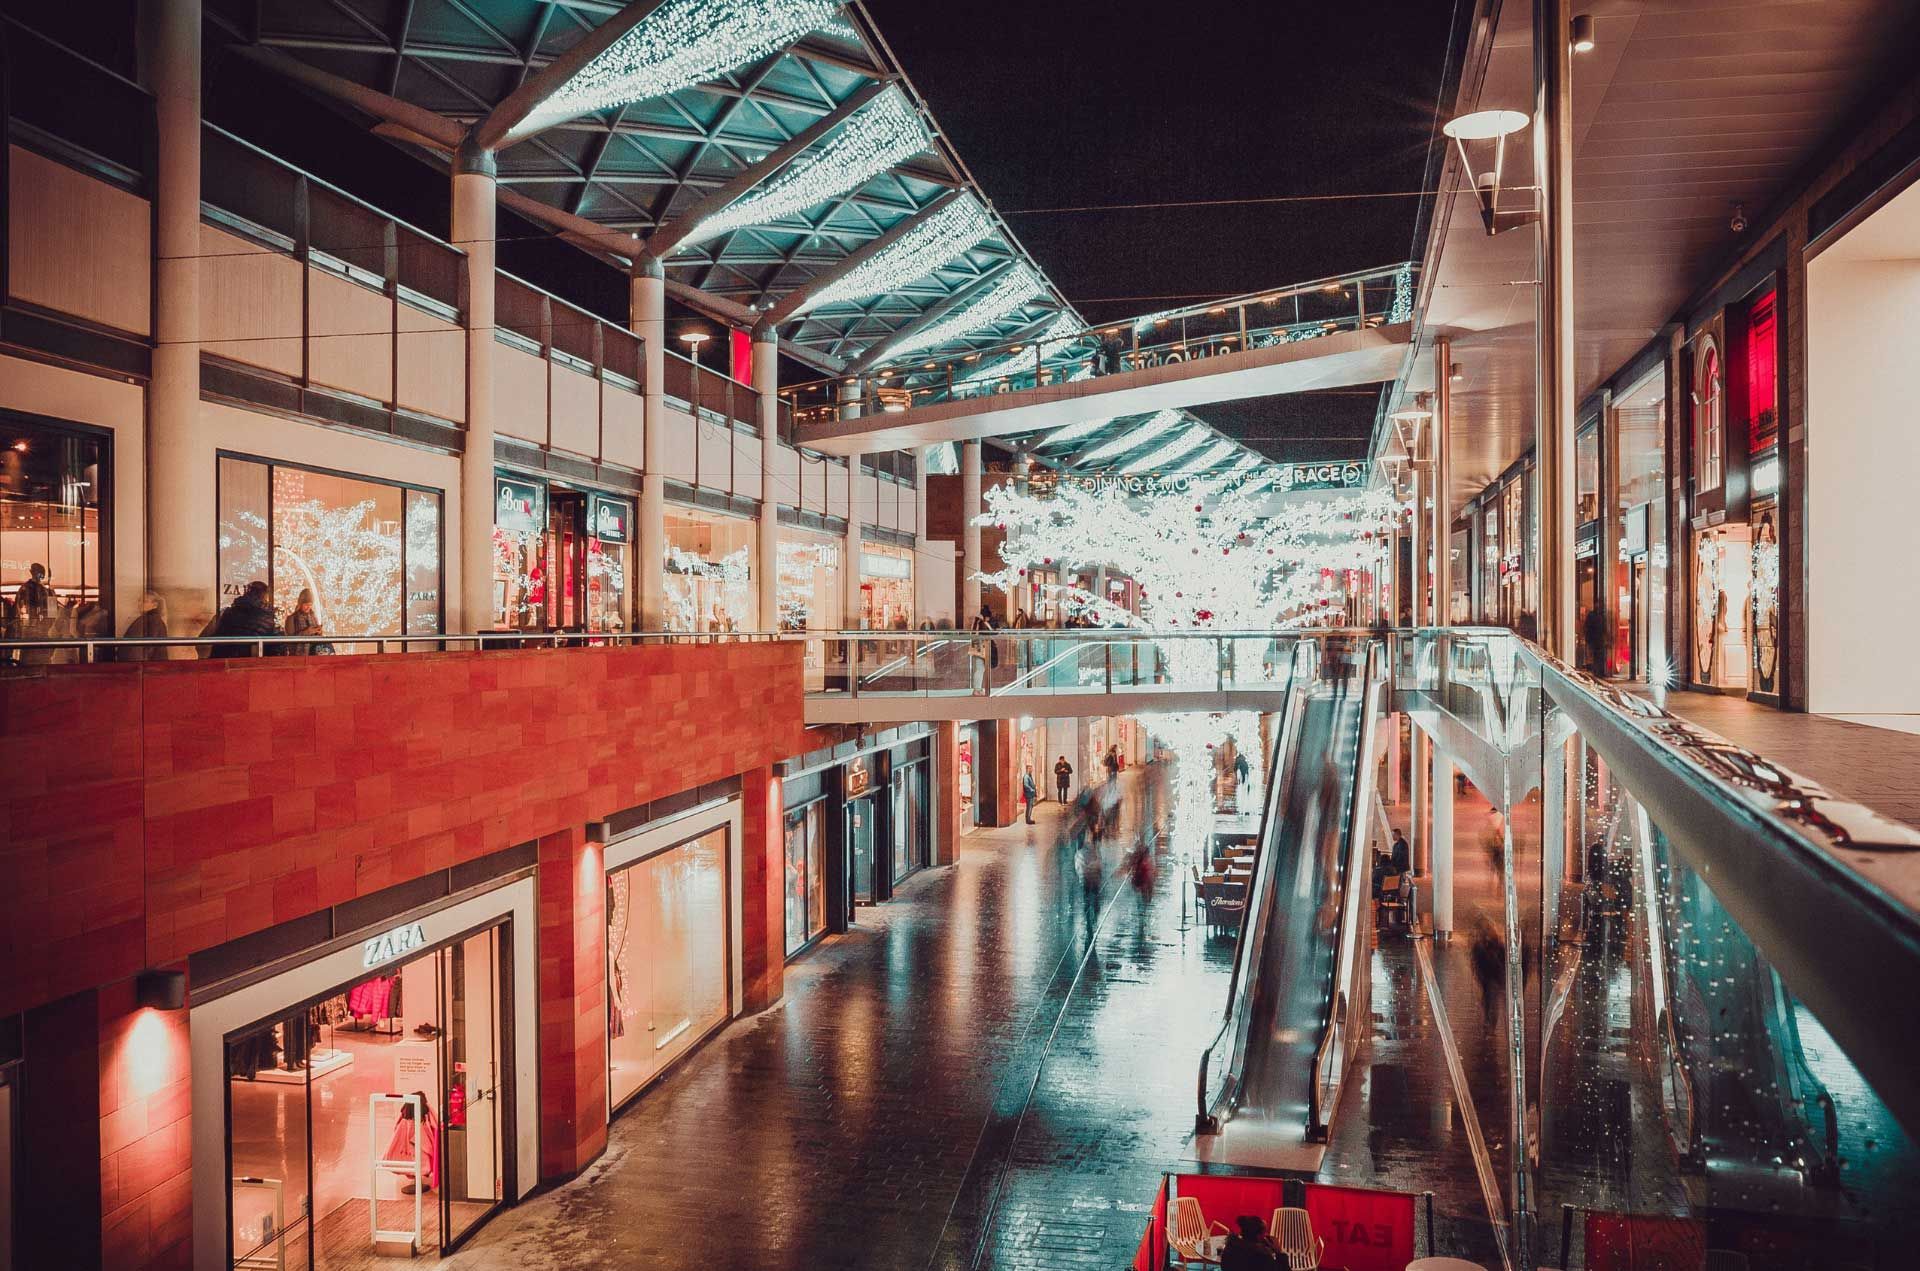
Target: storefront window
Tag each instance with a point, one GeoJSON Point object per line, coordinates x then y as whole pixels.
{"type": "Point", "coordinates": [519, 553]}
{"type": "Point", "coordinates": [1640, 582]}
{"type": "Point", "coordinates": [909, 819]}
{"type": "Point", "coordinates": [369, 551]}
{"type": "Point", "coordinates": [1763, 384]}
{"type": "Point", "coordinates": [1710, 410]}
{"type": "Point", "coordinates": [886, 587]}
{"type": "Point", "coordinates": [1723, 578]}
{"type": "Point", "coordinates": [371, 1117]}
{"type": "Point", "coordinates": [709, 572]}
{"type": "Point", "coordinates": [806, 874]}
{"type": "Point", "coordinates": [1763, 634]}
{"type": "Point", "coordinates": [667, 942]}
{"type": "Point", "coordinates": [609, 561]}
{"type": "Point", "coordinates": [809, 582]}
{"type": "Point", "coordinates": [1586, 470]}
{"type": "Point", "coordinates": [52, 544]}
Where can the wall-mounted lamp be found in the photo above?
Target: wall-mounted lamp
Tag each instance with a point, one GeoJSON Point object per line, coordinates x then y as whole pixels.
{"type": "Point", "coordinates": [1455, 372]}
{"type": "Point", "coordinates": [161, 990]}
{"type": "Point", "coordinates": [1582, 33]}
{"type": "Point", "coordinates": [1488, 130]}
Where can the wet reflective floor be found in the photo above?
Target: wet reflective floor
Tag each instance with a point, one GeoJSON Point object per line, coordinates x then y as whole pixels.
{"type": "Point", "coordinates": [962, 1080]}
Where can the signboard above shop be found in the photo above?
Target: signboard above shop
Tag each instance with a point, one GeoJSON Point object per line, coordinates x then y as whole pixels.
{"type": "Point", "coordinates": [1322, 476]}
{"type": "Point", "coordinates": [608, 519]}
{"type": "Point", "coordinates": [519, 505]}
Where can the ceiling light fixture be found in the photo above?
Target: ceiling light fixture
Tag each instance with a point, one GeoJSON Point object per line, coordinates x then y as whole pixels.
{"type": "Point", "coordinates": [875, 137]}
{"type": "Point", "coordinates": [677, 46]}
{"type": "Point", "coordinates": [1583, 33]}
{"type": "Point", "coordinates": [1486, 128]}
{"type": "Point", "coordinates": [953, 229]}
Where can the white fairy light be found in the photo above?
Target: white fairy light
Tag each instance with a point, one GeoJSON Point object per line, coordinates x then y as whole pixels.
{"type": "Point", "coordinates": [1057, 336]}
{"type": "Point", "coordinates": [678, 45]}
{"type": "Point", "coordinates": [1188, 441]}
{"type": "Point", "coordinates": [953, 229]}
{"type": "Point", "coordinates": [1012, 290]}
{"type": "Point", "coordinates": [872, 139]}
{"type": "Point", "coordinates": [1074, 432]}
{"type": "Point", "coordinates": [1240, 466]}
{"type": "Point", "coordinates": [1212, 455]}
{"type": "Point", "coordinates": [1163, 422]}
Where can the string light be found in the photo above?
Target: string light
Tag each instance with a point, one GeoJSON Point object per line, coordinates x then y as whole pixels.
{"type": "Point", "coordinates": [678, 45]}
{"type": "Point", "coordinates": [1056, 337]}
{"type": "Point", "coordinates": [1010, 292]}
{"type": "Point", "coordinates": [872, 139]}
{"type": "Point", "coordinates": [1074, 432]}
{"type": "Point", "coordinates": [1240, 466]}
{"type": "Point", "coordinates": [942, 460]}
{"type": "Point", "coordinates": [915, 254]}
{"type": "Point", "coordinates": [1186, 442]}
{"type": "Point", "coordinates": [1402, 310]}
{"type": "Point", "coordinates": [1212, 455]}
{"type": "Point", "coordinates": [1163, 422]}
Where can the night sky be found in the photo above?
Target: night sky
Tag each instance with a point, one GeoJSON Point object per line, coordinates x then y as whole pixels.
{"type": "Point", "coordinates": [1054, 103]}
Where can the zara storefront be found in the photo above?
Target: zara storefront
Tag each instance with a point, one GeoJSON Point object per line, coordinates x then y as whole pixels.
{"type": "Point", "coordinates": [373, 1093]}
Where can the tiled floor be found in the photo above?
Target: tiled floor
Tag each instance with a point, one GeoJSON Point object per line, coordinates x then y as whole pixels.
{"type": "Point", "coordinates": [1877, 766]}
{"type": "Point", "coordinates": [954, 1075]}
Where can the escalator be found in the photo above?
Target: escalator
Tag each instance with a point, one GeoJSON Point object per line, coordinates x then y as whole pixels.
{"type": "Point", "coordinates": [1268, 1082]}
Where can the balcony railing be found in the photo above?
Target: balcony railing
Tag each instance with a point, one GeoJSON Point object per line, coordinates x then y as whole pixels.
{"type": "Point", "coordinates": [74, 109]}
{"type": "Point", "coordinates": [1285, 315]}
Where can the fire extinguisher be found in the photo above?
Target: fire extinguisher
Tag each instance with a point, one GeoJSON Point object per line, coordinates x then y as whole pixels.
{"type": "Point", "coordinates": [457, 1106]}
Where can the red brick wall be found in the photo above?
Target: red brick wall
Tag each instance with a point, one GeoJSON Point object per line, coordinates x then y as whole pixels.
{"type": "Point", "coordinates": [146, 1148]}
{"type": "Point", "coordinates": [573, 1002]}
{"type": "Point", "coordinates": [946, 798]}
{"type": "Point", "coordinates": [763, 869]}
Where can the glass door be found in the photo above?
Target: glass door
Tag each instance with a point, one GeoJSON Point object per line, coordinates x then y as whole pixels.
{"type": "Point", "coordinates": [470, 997]}
{"type": "Point", "coordinates": [566, 550]}
{"type": "Point", "coordinates": [860, 843]}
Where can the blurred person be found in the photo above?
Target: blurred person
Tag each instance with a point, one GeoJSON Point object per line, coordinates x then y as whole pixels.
{"type": "Point", "coordinates": [1027, 792]}
{"type": "Point", "coordinates": [1252, 1248]}
{"type": "Point", "coordinates": [149, 624]}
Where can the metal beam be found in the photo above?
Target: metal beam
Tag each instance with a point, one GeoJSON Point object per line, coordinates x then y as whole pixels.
{"type": "Point", "coordinates": [435, 128]}
{"type": "Point", "coordinates": [505, 124]}
{"type": "Point", "coordinates": [662, 241]}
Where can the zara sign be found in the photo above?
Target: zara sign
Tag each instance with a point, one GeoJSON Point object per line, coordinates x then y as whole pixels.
{"type": "Point", "coordinates": [389, 945]}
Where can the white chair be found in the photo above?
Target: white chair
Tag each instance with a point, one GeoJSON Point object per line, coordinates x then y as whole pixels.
{"type": "Point", "coordinates": [1191, 1236]}
{"type": "Point", "coordinates": [1293, 1229]}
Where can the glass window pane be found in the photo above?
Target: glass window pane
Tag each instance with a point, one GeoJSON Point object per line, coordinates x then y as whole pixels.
{"type": "Point", "coordinates": [267, 1096]}
{"type": "Point", "coordinates": [710, 564]}
{"type": "Point", "coordinates": [339, 538]}
{"type": "Point", "coordinates": [423, 562]}
{"type": "Point", "coordinates": [243, 529]}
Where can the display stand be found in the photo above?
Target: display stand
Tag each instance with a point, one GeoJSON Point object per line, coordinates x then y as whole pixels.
{"type": "Point", "coordinates": [319, 1064]}
{"type": "Point", "coordinates": [405, 1243]}
{"type": "Point", "coordinates": [270, 1254]}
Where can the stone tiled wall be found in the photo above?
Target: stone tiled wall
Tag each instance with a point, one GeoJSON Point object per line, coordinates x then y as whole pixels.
{"type": "Point", "coordinates": [151, 811]}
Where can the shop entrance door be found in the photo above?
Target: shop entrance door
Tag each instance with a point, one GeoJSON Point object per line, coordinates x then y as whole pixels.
{"type": "Point", "coordinates": [567, 559]}
{"type": "Point", "coordinates": [860, 854]}
{"type": "Point", "coordinates": [1636, 616]}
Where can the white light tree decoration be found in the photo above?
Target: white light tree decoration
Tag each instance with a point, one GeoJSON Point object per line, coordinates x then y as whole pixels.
{"type": "Point", "coordinates": [1011, 291]}
{"type": "Point", "coordinates": [1208, 556]}
{"type": "Point", "coordinates": [731, 572]}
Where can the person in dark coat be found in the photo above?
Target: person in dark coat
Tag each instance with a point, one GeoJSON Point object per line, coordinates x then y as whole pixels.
{"type": "Point", "coordinates": [1251, 1248]}
{"type": "Point", "coordinates": [251, 614]}
{"type": "Point", "coordinates": [150, 625]}
{"type": "Point", "coordinates": [1062, 777]}
{"type": "Point", "coordinates": [304, 621]}
{"type": "Point", "coordinates": [1488, 954]}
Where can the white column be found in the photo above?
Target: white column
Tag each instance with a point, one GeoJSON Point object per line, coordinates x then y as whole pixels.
{"type": "Point", "coordinates": [1553, 417]}
{"type": "Point", "coordinates": [647, 310]}
{"type": "Point", "coordinates": [970, 537]}
{"type": "Point", "coordinates": [1442, 884]}
{"type": "Point", "coordinates": [1421, 805]}
{"type": "Point", "coordinates": [766, 385]}
{"type": "Point", "coordinates": [474, 218]}
{"type": "Point", "coordinates": [1442, 478]}
{"type": "Point", "coordinates": [181, 560]}
{"type": "Point", "coordinates": [850, 553]}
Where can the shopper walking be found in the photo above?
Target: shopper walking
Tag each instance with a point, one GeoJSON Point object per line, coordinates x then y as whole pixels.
{"type": "Point", "coordinates": [1028, 794]}
{"type": "Point", "coordinates": [149, 624]}
{"type": "Point", "coordinates": [1062, 776]}
{"type": "Point", "coordinates": [1111, 762]}
{"type": "Point", "coordinates": [1488, 954]}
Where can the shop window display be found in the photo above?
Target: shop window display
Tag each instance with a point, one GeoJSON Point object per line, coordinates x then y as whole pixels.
{"type": "Point", "coordinates": [1710, 411]}
{"type": "Point", "coordinates": [806, 890]}
{"type": "Point", "coordinates": [1586, 469]}
{"type": "Point", "coordinates": [609, 563]}
{"type": "Point", "coordinates": [376, 1106]}
{"type": "Point", "coordinates": [52, 532]}
{"type": "Point", "coordinates": [667, 970]}
{"type": "Point", "coordinates": [368, 550]}
{"type": "Point", "coordinates": [809, 588]}
{"type": "Point", "coordinates": [909, 819]}
{"type": "Point", "coordinates": [1722, 582]}
{"type": "Point", "coordinates": [1763, 615]}
{"type": "Point", "coordinates": [709, 573]}
{"type": "Point", "coordinates": [886, 587]}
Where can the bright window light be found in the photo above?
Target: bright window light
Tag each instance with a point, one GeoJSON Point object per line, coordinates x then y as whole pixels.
{"type": "Point", "coordinates": [872, 139]}
{"type": "Point", "coordinates": [915, 254]}
{"type": "Point", "coordinates": [678, 45]}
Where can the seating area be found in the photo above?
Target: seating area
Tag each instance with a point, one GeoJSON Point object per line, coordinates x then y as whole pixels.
{"type": "Point", "coordinates": [1222, 889]}
{"type": "Point", "coordinates": [1193, 1238]}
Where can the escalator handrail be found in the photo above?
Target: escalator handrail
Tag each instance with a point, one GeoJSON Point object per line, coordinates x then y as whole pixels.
{"type": "Point", "coordinates": [1354, 835]}
{"type": "Point", "coordinates": [1302, 676]}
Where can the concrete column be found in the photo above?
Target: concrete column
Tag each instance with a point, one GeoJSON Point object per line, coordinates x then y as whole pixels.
{"type": "Point", "coordinates": [1441, 885]}
{"type": "Point", "coordinates": [647, 312]}
{"type": "Point", "coordinates": [181, 559]}
{"type": "Point", "coordinates": [970, 538]}
{"type": "Point", "coordinates": [1420, 819]}
{"type": "Point", "coordinates": [1395, 752]}
{"type": "Point", "coordinates": [1442, 481]}
{"type": "Point", "coordinates": [946, 793]}
{"type": "Point", "coordinates": [1417, 529]}
{"type": "Point", "coordinates": [474, 217]}
{"type": "Point", "coordinates": [766, 387]}
{"type": "Point", "coordinates": [1553, 412]}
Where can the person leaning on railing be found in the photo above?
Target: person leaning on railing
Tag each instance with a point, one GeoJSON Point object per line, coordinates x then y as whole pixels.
{"type": "Point", "coordinates": [251, 615]}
